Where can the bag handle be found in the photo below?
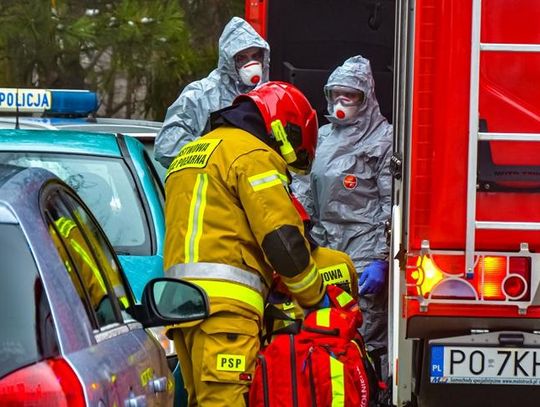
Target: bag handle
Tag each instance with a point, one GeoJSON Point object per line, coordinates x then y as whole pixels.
{"type": "Point", "coordinates": [323, 331]}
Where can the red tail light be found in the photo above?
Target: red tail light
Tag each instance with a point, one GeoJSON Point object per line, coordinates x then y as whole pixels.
{"type": "Point", "coordinates": [496, 278]}
{"type": "Point", "coordinates": [517, 286]}
{"type": "Point", "coordinates": [48, 383]}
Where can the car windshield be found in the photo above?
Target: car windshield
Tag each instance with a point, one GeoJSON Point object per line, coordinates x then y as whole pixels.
{"type": "Point", "coordinates": [106, 186]}
{"type": "Point", "coordinates": [27, 334]}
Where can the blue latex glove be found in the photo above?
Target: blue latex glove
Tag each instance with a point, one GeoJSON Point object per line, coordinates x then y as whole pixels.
{"type": "Point", "coordinates": [373, 277]}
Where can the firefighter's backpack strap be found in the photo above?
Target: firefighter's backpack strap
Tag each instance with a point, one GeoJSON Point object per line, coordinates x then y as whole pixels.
{"type": "Point", "coordinates": [273, 314]}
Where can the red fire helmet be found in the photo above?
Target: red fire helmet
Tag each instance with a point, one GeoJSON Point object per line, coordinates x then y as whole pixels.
{"type": "Point", "coordinates": [284, 107]}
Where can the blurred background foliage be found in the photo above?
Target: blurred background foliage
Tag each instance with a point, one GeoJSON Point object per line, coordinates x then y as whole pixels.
{"type": "Point", "coordinates": [137, 54]}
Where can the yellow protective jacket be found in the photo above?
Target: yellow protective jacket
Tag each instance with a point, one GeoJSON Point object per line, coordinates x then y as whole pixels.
{"type": "Point", "coordinates": [230, 222]}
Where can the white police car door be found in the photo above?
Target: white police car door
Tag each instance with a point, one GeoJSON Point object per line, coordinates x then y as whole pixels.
{"type": "Point", "coordinates": [119, 366]}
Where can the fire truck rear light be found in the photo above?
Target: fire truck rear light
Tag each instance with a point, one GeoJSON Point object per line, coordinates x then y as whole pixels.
{"type": "Point", "coordinates": [496, 278]}
{"type": "Point", "coordinates": [49, 383]}
{"type": "Point", "coordinates": [426, 275]}
{"type": "Point", "coordinates": [515, 286]}
{"type": "Point", "coordinates": [494, 270]}
{"type": "Point", "coordinates": [521, 266]}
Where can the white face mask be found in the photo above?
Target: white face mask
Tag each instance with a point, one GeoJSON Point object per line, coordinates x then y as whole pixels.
{"type": "Point", "coordinates": [344, 113]}
{"type": "Point", "coordinates": [251, 73]}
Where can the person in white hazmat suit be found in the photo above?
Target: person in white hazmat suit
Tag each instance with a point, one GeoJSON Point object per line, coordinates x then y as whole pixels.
{"type": "Point", "coordinates": [244, 60]}
{"type": "Point", "coordinates": [348, 191]}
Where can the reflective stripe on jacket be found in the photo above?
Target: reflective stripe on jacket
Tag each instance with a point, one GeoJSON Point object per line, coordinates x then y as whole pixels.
{"type": "Point", "coordinates": [224, 281]}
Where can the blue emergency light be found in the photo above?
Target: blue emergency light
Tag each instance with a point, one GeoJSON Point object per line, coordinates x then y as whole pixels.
{"type": "Point", "coordinates": [73, 102]}
{"type": "Point", "coordinates": [51, 102]}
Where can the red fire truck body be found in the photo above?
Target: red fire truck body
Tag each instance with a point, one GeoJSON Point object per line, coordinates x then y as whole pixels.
{"type": "Point", "coordinates": [466, 220]}
{"type": "Point", "coordinates": [464, 283]}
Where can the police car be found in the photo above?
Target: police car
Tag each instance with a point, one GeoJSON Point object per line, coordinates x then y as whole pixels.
{"type": "Point", "coordinates": [115, 168]}
{"type": "Point", "coordinates": [71, 333]}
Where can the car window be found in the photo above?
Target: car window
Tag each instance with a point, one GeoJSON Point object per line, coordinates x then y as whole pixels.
{"type": "Point", "coordinates": [105, 256]}
{"type": "Point", "coordinates": [106, 186]}
{"type": "Point", "coordinates": [55, 230]}
{"type": "Point", "coordinates": [158, 184]}
{"type": "Point", "coordinates": [84, 269]}
{"type": "Point", "coordinates": [27, 332]}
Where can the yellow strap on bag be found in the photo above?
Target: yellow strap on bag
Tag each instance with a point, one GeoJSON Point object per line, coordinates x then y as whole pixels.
{"type": "Point", "coordinates": [337, 377]}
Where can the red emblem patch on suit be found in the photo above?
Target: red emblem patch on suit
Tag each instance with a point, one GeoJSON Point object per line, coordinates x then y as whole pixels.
{"type": "Point", "coordinates": [349, 181]}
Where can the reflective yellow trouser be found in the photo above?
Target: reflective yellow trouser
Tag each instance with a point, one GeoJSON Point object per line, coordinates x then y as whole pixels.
{"type": "Point", "coordinates": [217, 358]}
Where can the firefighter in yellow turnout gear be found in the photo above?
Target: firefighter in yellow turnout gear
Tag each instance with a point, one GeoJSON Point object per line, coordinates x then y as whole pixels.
{"type": "Point", "coordinates": [230, 223]}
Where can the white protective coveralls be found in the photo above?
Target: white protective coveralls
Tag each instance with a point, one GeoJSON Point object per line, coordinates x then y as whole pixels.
{"type": "Point", "coordinates": [187, 117]}
{"type": "Point", "coordinates": [349, 191]}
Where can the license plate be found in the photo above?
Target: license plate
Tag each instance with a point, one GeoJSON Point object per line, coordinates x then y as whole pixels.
{"type": "Point", "coordinates": [484, 365]}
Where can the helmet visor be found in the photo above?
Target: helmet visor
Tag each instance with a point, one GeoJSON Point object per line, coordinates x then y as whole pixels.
{"type": "Point", "coordinates": [344, 95]}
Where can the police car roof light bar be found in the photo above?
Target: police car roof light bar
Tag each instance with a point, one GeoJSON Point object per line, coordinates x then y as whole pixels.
{"type": "Point", "coordinates": [73, 102]}
{"type": "Point", "coordinates": [56, 102]}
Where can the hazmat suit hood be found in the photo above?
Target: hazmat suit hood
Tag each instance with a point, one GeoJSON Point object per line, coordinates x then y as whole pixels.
{"type": "Point", "coordinates": [187, 118]}
{"type": "Point", "coordinates": [237, 36]}
{"type": "Point", "coordinates": [355, 73]}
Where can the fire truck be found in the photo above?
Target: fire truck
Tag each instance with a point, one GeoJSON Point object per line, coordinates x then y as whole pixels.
{"type": "Point", "coordinates": [464, 98]}
{"type": "Point", "coordinates": [466, 215]}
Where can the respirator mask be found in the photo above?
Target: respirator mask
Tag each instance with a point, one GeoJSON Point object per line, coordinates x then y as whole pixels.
{"type": "Point", "coordinates": [249, 66]}
{"type": "Point", "coordinates": [346, 102]}
{"type": "Point", "coordinates": [343, 110]}
{"type": "Point", "coordinates": [251, 73]}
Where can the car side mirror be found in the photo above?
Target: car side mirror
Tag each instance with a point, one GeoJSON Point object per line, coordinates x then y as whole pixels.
{"type": "Point", "coordinates": [169, 301]}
